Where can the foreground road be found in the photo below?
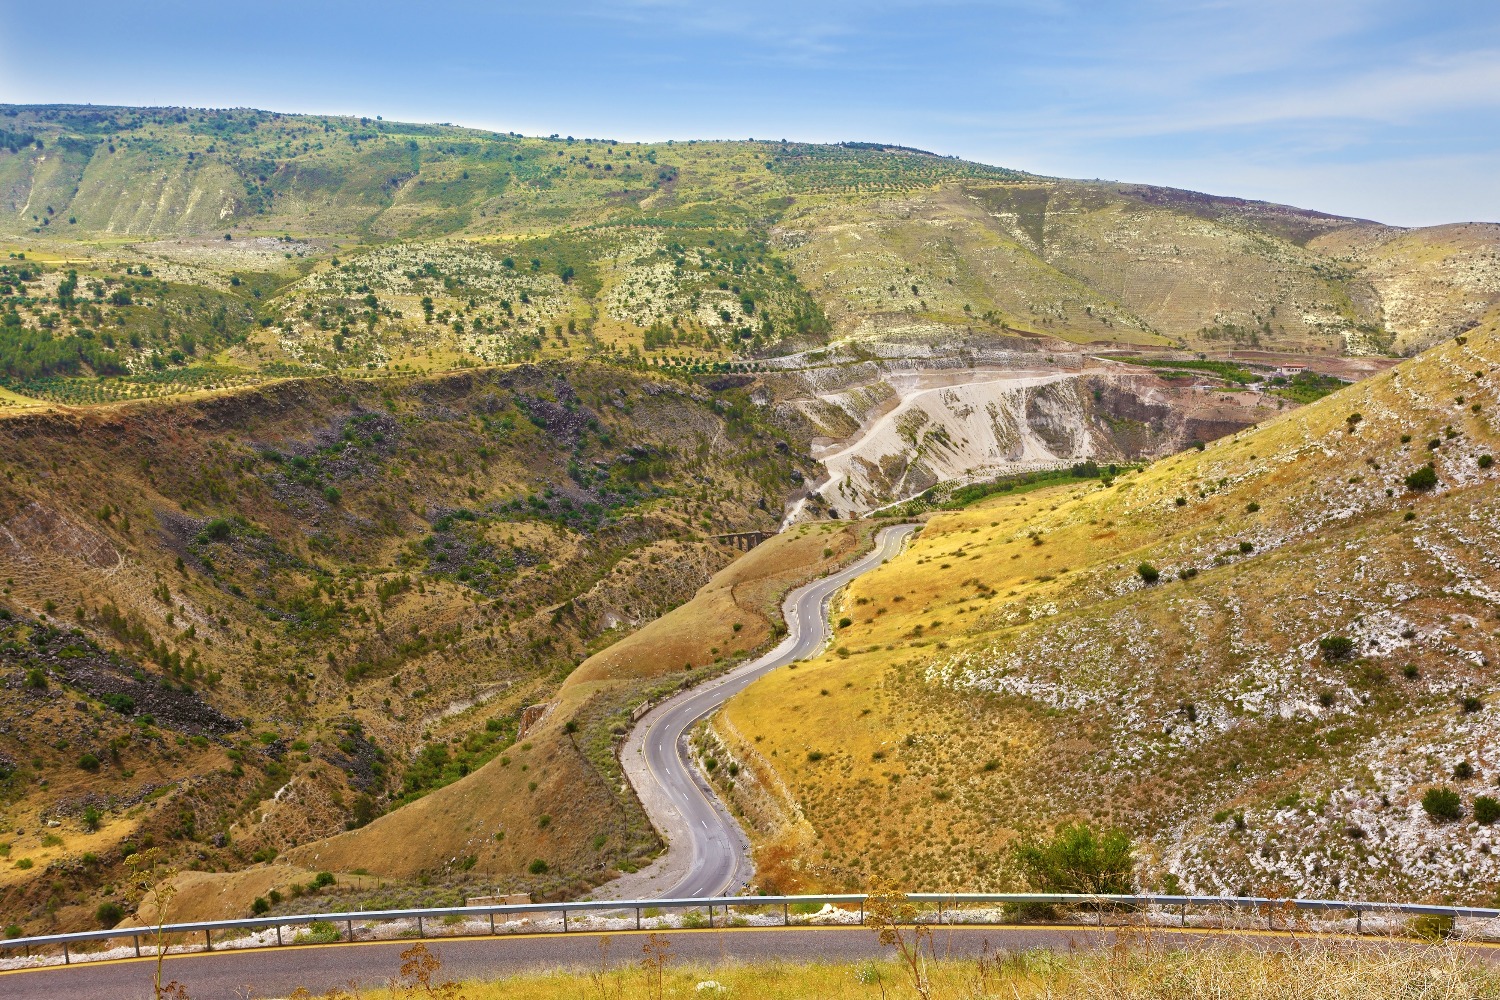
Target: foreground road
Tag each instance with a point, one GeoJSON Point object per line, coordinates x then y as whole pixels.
{"type": "Point", "coordinates": [276, 973]}
{"type": "Point", "coordinates": [707, 853]}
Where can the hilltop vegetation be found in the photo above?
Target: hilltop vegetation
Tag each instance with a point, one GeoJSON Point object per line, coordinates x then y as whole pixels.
{"type": "Point", "coordinates": [175, 249]}
{"type": "Point", "coordinates": [1260, 659]}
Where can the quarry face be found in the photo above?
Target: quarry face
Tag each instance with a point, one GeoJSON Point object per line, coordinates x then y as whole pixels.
{"type": "Point", "coordinates": [894, 430]}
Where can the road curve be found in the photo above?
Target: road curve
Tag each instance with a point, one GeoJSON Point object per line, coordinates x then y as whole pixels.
{"type": "Point", "coordinates": [707, 852]}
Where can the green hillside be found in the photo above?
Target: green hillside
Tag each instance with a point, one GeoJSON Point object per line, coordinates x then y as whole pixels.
{"type": "Point", "coordinates": [343, 244]}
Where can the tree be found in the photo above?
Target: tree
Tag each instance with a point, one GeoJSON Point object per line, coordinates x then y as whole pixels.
{"type": "Point", "coordinates": [1078, 860]}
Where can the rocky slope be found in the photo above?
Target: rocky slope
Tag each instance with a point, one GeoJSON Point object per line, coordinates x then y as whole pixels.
{"type": "Point", "coordinates": [1258, 659]}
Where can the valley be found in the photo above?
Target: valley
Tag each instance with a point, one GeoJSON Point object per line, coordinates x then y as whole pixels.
{"type": "Point", "coordinates": [363, 484]}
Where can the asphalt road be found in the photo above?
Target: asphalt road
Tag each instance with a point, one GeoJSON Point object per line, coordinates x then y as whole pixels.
{"type": "Point", "coordinates": [276, 973]}
{"type": "Point", "coordinates": [696, 824]}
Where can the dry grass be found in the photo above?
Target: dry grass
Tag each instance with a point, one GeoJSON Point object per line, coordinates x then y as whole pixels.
{"type": "Point", "coordinates": [1132, 970]}
{"type": "Point", "coordinates": [1012, 670]}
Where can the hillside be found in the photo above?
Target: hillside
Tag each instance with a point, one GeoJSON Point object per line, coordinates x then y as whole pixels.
{"type": "Point", "coordinates": [1312, 653]}
{"type": "Point", "coordinates": [240, 624]}
{"type": "Point", "coordinates": [164, 250]}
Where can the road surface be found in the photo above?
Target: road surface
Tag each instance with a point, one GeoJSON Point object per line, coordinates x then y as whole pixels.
{"type": "Point", "coordinates": [707, 853]}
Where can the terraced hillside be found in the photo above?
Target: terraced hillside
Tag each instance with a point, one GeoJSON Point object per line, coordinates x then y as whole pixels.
{"type": "Point", "coordinates": [238, 625]}
{"type": "Point", "coordinates": [1259, 659]}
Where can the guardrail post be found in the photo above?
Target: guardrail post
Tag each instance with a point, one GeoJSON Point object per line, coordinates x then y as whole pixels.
{"type": "Point", "coordinates": [138, 945]}
{"type": "Point", "coordinates": [710, 915]}
{"type": "Point", "coordinates": [1359, 921]}
{"type": "Point", "coordinates": [278, 935]}
{"type": "Point", "coordinates": [492, 923]}
{"type": "Point", "coordinates": [861, 913]}
{"type": "Point", "coordinates": [350, 924]}
{"type": "Point", "coordinates": [208, 939]}
{"type": "Point", "coordinates": [637, 918]}
{"type": "Point", "coordinates": [565, 921]}
{"type": "Point", "coordinates": [420, 931]}
{"type": "Point", "coordinates": [67, 959]}
{"type": "Point", "coordinates": [786, 920]}
{"type": "Point", "coordinates": [1182, 914]}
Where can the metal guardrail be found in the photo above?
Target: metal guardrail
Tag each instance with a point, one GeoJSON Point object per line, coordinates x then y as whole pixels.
{"type": "Point", "coordinates": [1269, 905]}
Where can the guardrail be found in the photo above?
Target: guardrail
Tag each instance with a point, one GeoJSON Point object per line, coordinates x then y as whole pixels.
{"type": "Point", "coordinates": [948, 911]}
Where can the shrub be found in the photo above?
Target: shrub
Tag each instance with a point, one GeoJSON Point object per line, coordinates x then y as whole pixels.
{"type": "Point", "coordinates": [1336, 647]}
{"type": "Point", "coordinates": [108, 914]}
{"type": "Point", "coordinates": [1251, 507]}
{"type": "Point", "coordinates": [36, 678]}
{"type": "Point", "coordinates": [814, 755]}
{"type": "Point", "coordinates": [845, 622]}
{"type": "Point", "coordinates": [537, 867]}
{"type": "Point", "coordinates": [1463, 770]}
{"type": "Point", "coordinates": [1442, 805]}
{"type": "Point", "coordinates": [1148, 573]}
{"type": "Point", "coordinates": [1432, 927]}
{"type": "Point", "coordinates": [322, 879]}
{"type": "Point", "coordinates": [1486, 809]}
{"type": "Point", "coordinates": [261, 905]}
{"type": "Point", "coordinates": [88, 762]}
{"type": "Point", "coordinates": [91, 818]}
{"type": "Point", "coordinates": [1422, 480]}
{"type": "Point", "coordinates": [1485, 461]}
{"type": "Point", "coordinates": [1077, 859]}
{"type": "Point", "coordinates": [1247, 546]}
{"type": "Point", "coordinates": [1472, 704]}
{"type": "Point", "coordinates": [319, 932]}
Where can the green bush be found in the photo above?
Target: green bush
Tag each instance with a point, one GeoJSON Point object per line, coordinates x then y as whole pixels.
{"type": "Point", "coordinates": [88, 762]}
{"type": "Point", "coordinates": [1077, 859]}
{"type": "Point", "coordinates": [1442, 804]}
{"type": "Point", "coordinates": [1336, 647]}
{"type": "Point", "coordinates": [1148, 573]}
{"type": "Point", "coordinates": [261, 905]}
{"type": "Point", "coordinates": [319, 932]}
{"type": "Point", "coordinates": [108, 914]}
{"type": "Point", "coordinates": [1486, 809]}
{"type": "Point", "coordinates": [322, 879]}
{"type": "Point", "coordinates": [1432, 927]}
{"type": "Point", "coordinates": [537, 867]}
{"type": "Point", "coordinates": [1422, 480]}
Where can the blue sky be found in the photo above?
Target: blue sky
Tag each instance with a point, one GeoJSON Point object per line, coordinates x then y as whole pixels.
{"type": "Point", "coordinates": [1386, 110]}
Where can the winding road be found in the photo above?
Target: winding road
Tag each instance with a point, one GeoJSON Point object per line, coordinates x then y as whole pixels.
{"type": "Point", "coordinates": [707, 855]}
{"type": "Point", "coordinates": [707, 852]}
